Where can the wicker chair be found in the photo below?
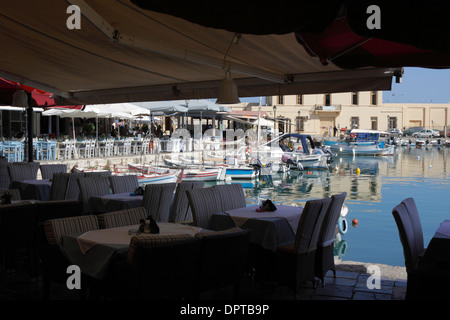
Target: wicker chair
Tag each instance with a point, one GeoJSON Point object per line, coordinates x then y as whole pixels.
{"type": "Point", "coordinates": [96, 186]}
{"type": "Point", "coordinates": [124, 184]}
{"type": "Point", "coordinates": [5, 180]}
{"type": "Point", "coordinates": [231, 196]}
{"type": "Point", "coordinates": [23, 171]}
{"type": "Point", "coordinates": [157, 200]}
{"type": "Point", "coordinates": [222, 260]}
{"type": "Point", "coordinates": [57, 209]}
{"type": "Point", "coordinates": [165, 264]}
{"type": "Point", "coordinates": [47, 170]}
{"type": "Point", "coordinates": [54, 263]}
{"type": "Point", "coordinates": [428, 277]}
{"type": "Point", "coordinates": [325, 248]}
{"type": "Point", "coordinates": [204, 203]}
{"type": "Point", "coordinates": [181, 211]}
{"type": "Point", "coordinates": [17, 230]}
{"type": "Point", "coordinates": [296, 261]}
{"type": "Point", "coordinates": [59, 186]}
{"type": "Point", "coordinates": [15, 193]}
{"type": "Point", "coordinates": [121, 218]}
{"type": "Point", "coordinates": [72, 190]}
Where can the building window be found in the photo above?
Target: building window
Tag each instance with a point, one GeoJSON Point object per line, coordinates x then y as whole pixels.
{"type": "Point", "coordinates": [299, 99]}
{"type": "Point", "coordinates": [354, 98]}
{"type": "Point", "coordinates": [354, 122]}
{"type": "Point", "coordinates": [327, 99]}
{"type": "Point", "coordinates": [392, 123]}
{"type": "Point", "coordinates": [374, 123]}
{"type": "Point", "coordinates": [300, 124]}
{"type": "Point", "coordinates": [373, 98]}
{"type": "Point", "coordinates": [280, 99]}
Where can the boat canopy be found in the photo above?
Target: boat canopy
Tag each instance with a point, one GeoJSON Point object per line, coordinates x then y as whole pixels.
{"type": "Point", "coordinates": [366, 135]}
{"type": "Point", "coordinates": [303, 138]}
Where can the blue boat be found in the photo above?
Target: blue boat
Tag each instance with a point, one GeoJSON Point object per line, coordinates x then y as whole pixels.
{"type": "Point", "coordinates": [241, 172]}
{"type": "Point", "coordinates": [361, 142]}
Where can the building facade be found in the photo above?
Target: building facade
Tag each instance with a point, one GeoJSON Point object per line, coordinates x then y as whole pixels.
{"type": "Point", "coordinates": [319, 114]}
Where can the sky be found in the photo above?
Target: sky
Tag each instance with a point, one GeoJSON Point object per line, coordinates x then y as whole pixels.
{"type": "Point", "coordinates": [419, 85]}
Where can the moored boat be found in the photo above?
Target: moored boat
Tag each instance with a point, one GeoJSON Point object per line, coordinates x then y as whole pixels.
{"type": "Point", "coordinates": [361, 142]}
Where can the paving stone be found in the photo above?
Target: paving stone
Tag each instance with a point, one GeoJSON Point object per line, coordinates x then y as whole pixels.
{"type": "Point", "coordinates": [337, 291]}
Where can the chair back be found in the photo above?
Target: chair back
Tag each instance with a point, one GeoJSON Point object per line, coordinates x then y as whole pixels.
{"type": "Point", "coordinates": [158, 199]}
{"type": "Point", "coordinates": [17, 225]}
{"type": "Point", "coordinates": [411, 207]}
{"type": "Point", "coordinates": [23, 171]}
{"type": "Point", "coordinates": [72, 190]}
{"type": "Point", "coordinates": [127, 217]}
{"type": "Point", "coordinates": [204, 203]}
{"type": "Point", "coordinates": [90, 187]}
{"type": "Point", "coordinates": [124, 184]}
{"type": "Point", "coordinates": [47, 170]}
{"type": "Point", "coordinates": [59, 186]}
{"type": "Point", "coordinates": [15, 193]}
{"type": "Point", "coordinates": [231, 196]}
{"type": "Point", "coordinates": [95, 174]}
{"type": "Point", "coordinates": [328, 232]}
{"type": "Point", "coordinates": [56, 228]}
{"type": "Point", "coordinates": [5, 180]}
{"type": "Point", "coordinates": [56, 209]}
{"type": "Point", "coordinates": [310, 224]}
{"type": "Point", "coordinates": [407, 232]}
{"type": "Point", "coordinates": [223, 258]}
{"type": "Point", "coordinates": [181, 211]}
{"type": "Point", "coordinates": [165, 263]}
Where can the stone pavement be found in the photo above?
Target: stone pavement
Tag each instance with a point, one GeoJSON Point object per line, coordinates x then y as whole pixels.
{"type": "Point", "coordinates": [348, 285]}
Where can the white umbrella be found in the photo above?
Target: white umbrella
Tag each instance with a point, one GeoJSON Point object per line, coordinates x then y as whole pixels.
{"type": "Point", "coordinates": [167, 107]}
{"type": "Point", "coordinates": [70, 113]}
{"type": "Point", "coordinates": [263, 122]}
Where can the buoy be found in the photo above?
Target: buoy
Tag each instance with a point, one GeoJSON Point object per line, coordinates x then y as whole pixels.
{"type": "Point", "coordinates": [342, 225]}
{"type": "Point", "coordinates": [344, 210]}
{"type": "Point", "coordinates": [355, 222]}
{"type": "Point", "coordinates": [358, 171]}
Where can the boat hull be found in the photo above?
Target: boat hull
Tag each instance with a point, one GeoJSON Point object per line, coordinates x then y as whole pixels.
{"type": "Point", "coordinates": [240, 173]}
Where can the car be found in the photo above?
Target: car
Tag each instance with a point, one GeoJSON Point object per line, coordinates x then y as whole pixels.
{"type": "Point", "coordinates": [436, 133]}
{"type": "Point", "coordinates": [395, 132]}
{"type": "Point", "coordinates": [411, 130]}
{"type": "Point", "coordinates": [427, 133]}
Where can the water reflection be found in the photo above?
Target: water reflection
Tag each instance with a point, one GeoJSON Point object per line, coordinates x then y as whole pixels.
{"type": "Point", "coordinates": [374, 185]}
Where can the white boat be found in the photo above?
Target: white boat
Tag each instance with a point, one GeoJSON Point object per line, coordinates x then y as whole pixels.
{"type": "Point", "coordinates": [154, 178]}
{"type": "Point", "coordinates": [302, 154]}
{"type": "Point", "coordinates": [206, 174]}
{"type": "Point", "coordinates": [362, 142]}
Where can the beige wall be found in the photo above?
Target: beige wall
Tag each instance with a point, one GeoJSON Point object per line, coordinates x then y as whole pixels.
{"type": "Point", "coordinates": [318, 121]}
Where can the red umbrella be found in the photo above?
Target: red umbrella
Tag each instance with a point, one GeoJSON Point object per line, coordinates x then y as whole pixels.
{"type": "Point", "coordinates": [411, 33]}
{"type": "Point", "coordinates": [39, 98]}
{"type": "Point", "coordinates": [340, 45]}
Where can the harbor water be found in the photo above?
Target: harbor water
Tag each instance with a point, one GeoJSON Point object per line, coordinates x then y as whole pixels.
{"type": "Point", "coordinates": [374, 186]}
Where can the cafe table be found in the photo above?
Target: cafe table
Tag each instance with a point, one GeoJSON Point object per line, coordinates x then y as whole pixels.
{"type": "Point", "coordinates": [438, 250]}
{"type": "Point", "coordinates": [35, 189]}
{"type": "Point", "coordinates": [115, 201]}
{"type": "Point", "coordinates": [270, 230]}
{"type": "Point", "coordinates": [94, 250]}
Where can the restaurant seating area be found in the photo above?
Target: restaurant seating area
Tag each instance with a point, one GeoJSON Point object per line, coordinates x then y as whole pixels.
{"type": "Point", "coordinates": [50, 149]}
{"type": "Point", "coordinates": [427, 268]}
{"type": "Point", "coordinates": [208, 233]}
